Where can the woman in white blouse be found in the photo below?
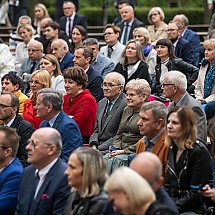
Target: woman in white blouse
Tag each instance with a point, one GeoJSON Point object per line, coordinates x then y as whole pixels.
{"type": "Point", "coordinates": [50, 63]}
{"type": "Point", "coordinates": [25, 32]}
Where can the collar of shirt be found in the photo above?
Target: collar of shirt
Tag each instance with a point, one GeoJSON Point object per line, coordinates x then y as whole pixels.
{"type": "Point", "coordinates": [71, 17]}
{"type": "Point", "coordinates": [175, 43]}
{"type": "Point", "coordinates": [52, 120]}
{"type": "Point", "coordinates": [178, 103]}
{"type": "Point", "coordinates": [128, 23]}
{"type": "Point", "coordinates": [43, 172]}
{"type": "Point", "coordinates": [10, 123]}
{"type": "Point", "coordinates": [182, 34]}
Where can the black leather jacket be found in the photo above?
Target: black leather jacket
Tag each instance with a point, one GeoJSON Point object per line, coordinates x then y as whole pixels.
{"type": "Point", "coordinates": [85, 206]}
{"type": "Point", "coordinates": [185, 178]}
{"type": "Point", "coordinates": [178, 64]}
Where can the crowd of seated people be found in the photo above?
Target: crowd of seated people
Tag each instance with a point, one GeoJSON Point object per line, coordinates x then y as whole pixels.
{"type": "Point", "coordinates": [139, 110]}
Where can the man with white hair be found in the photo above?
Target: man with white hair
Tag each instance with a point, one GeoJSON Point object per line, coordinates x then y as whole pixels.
{"type": "Point", "coordinates": [109, 112]}
{"type": "Point", "coordinates": [60, 50]}
{"type": "Point", "coordinates": [174, 87]}
{"type": "Point", "coordinates": [128, 24]}
{"type": "Point", "coordinates": [189, 35]}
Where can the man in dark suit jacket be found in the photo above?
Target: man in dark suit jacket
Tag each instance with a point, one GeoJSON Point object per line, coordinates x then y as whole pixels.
{"type": "Point", "coordinates": [177, 93]}
{"type": "Point", "coordinates": [9, 115]}
{"type": "Point", "coordinates": [150, 167]}
{"type": "Point", "coordinates": [189, 35]}
{"type": "Point", "coordinates": [106, 126]}
{"type": "Point", "coordinates": [49, 108]}
{"type": "Point", "coordinates": [83, 57]}
{"type": "Point", "coordinates": [182, 47]}
{"type": "Point", "coordinates": [60, 50]}
{"type": "Point", "coordinates": [11, 170]}
{"type": "Point", "coordinates": [128, 24]}
{"type": "Point", "coordinates": [71, 18]}
{"type": "Point", "coordinates": [43, 188]}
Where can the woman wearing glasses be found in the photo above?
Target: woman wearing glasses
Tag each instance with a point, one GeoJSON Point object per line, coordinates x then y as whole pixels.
{"type": "Point", "coordinates": [38, 80]}
{"type": "Point", "coordinates": [167, 61]}
{"type": "Point", "coordinates": [132, 64]}
{"type": "Point", "coordinates": [128, 132]}
{"type": "Point", "coordinates": [79, 104]}
{"type": "Point", "coordinates": [158, 28]}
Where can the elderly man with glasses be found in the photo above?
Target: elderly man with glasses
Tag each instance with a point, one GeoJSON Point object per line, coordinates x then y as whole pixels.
{"type": "Point", "coordinates": [174, 87]}
{"type": "Point", "coordinates": [109, 112]}
{"type": "Point", "coordinates": [43, 188]}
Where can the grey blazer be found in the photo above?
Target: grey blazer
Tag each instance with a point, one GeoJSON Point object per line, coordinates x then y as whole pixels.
{"type": "Point", "coordinates": [26, 67]}
{"type": "Point", "coordinates": [104, 134]}
{"type": "Point", "coordinates": [189, 101]}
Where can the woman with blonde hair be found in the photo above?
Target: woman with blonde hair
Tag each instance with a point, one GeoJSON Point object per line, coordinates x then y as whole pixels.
{"type": "Point", "coordinates": [205, 86]}
{"type": "Point", "coordinates": [130, 193]}
{"type": "Point", "coordinates": [38, 80]}
{"type": "Point", "coordinates": [86, 174]}
{"type": "Point", "coordinates": [158, 28]}
{"type": "Point", "coordinates": [25, 32]}
{"type": "Point", "coordinates": [132, 64]}
{"type": "Point", "coordinates": [149, 53]}
{"type": "Point", "coordinates": [40, 12]}
{"type": "Point", "coordinates": [128, 134]}
{"type": "Point", "coordinates": [50, 63]}
{"type": "Point", "coordinates": [188, 158]}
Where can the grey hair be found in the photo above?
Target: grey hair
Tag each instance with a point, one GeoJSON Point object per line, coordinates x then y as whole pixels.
{"type": "Point", "coordinates": [177, 78]}
{"type": "Point", "coordinates": [25, 17]}
{"type": "Point", "coordinates": [182, 19]}
{"type": "Point", "coordinates": [91, 41]}
{"type": "Point", "coordinates": [120, 78]}
{"type": "Point", "coordinates": [141, 86]}
{"type": "Point", "coordinates": [157, 9]}
{"type": "Point", "coordinates": [158, 109]}
{"type": "Point", "coordinates": [56, 139]}
{"type": "Point", "coordinates": [64, 44]}
{"type": "Point", "coordinates": [51, 96]}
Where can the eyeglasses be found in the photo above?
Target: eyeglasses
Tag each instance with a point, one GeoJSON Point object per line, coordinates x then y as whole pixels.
{"type": "Point", "coordinates": [35, 143]}
{"type": "Point", "coordinates": [168, 30]}
{"type": "Point", "coordinates": [163, 85]}
{"type": "Point", "coordinates": [33, 50]}
{"type": "Point", "coordinates": [4, 147]}
{"type": "Point", "coordinates": [34, 82]}
{"type": "Point", "coordinates": [109, 85]}
{"type": "Point", "coordinates": [108, 33]}
{"type": "Point", "coordinates": [2, 106]}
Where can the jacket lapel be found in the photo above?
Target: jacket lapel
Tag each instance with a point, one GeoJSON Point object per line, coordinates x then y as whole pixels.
{"type": "Point", "coordinates": [58, 120]}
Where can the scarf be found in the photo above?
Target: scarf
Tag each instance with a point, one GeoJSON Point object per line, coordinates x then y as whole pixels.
{"type": "Point", "coordinates": [146, 50]}
{"type": "Point", "coordinates": [209, 78]}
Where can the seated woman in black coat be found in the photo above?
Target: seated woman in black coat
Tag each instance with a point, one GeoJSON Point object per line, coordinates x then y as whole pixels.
{"type": "Point", "coordinates": [86, 174]}
{"type": "Point", "coordinates": [132, 64]}
{"type": "Point", "coordinates": [189, 161]}
{"type": "Point", "coordinates": [167, 61]}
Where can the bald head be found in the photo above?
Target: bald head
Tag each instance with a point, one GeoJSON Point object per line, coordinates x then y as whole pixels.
{"type": "Point", "coordinates": [148, 166]}
{"type": "Point", "coordinates": [35, 50]}
{"type": "Point", "coordinates": [59, 48]}
{"type": "Point", "coordinates": [43, 24]}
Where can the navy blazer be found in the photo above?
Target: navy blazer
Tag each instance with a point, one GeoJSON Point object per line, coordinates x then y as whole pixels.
{"type": "Point", "coordinates": [70, 134]}
{"type": "Point", "coordinates": [78, 20]}
{"type": "Point", "coordinates": [136, 23]}
{"type": "Point", "coordinates": [184, 50]}
{"type": "Point", "coordinates": [193, 38]}
{"type": "Point", "coordinates": [9, 187]}
{"type": "Point", "coordinates": [67, 61]}
{"type": "Point", "coordinates": [52, 195]}
{"type": "Point", "coordinates": [24, 129]}
{"type": "Point", "coordinates": [95, 83]}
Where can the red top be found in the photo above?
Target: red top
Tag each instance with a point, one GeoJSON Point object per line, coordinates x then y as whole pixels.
{"type": "Point", "coordinates": [82, 108]}
{"type": "Point", "coordinates": [30, 114]}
